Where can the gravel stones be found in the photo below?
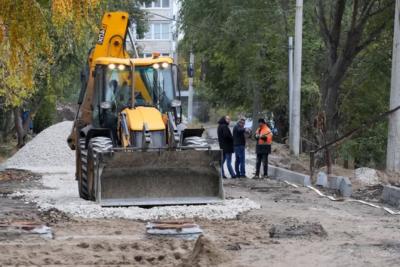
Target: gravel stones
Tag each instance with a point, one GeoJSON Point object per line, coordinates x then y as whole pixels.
{"type": "Point", "coordinates": [49, 154]}
{"type": "Point", "coordinates": [61, 193]}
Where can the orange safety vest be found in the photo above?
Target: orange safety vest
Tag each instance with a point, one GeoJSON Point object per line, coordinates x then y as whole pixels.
{"type": "Point", "coordinates": [264, 131]}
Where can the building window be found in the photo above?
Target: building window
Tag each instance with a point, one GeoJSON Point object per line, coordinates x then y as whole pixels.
{"type": "Point", "coordinates": [158, 31]}
{"type": "Point", "coordinates": [158, 4]}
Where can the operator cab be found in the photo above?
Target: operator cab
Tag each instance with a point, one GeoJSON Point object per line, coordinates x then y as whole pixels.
{"type": "Point", "coordinates": [151, 81]}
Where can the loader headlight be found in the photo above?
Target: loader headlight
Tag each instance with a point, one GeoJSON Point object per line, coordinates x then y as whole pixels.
{"type": "Point", "coordinates": [105, 105]}
{"type": "Point", "coordinates": [176, 103]}
{"type": "Point", "coordinates": [165, 65]}
{"type": "Point", "coordinates": [156, 66]}
{"type": "Point", "coordinates": [111, 66]}
{"type": "Point", "coordinates": [121, 67]}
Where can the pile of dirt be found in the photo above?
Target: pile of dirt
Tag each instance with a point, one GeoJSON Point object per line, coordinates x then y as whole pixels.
{"type": "Point", "coordinates": [205, 253]}
{"type": "Point", "coordinates": [292, 228]}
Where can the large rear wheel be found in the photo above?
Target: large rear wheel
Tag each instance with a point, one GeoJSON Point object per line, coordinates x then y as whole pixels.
{"type": "Point", "coordinates": [89, 165]}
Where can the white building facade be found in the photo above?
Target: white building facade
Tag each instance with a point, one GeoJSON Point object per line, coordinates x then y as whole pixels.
{"type": "Point", "coordinates": [161, 35]}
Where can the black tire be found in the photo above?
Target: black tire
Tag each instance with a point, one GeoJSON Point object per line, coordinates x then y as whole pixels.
{"type": "Point", "coordinates": [89, 165]}
{"type": "Point", "coordinates": [83, 186]}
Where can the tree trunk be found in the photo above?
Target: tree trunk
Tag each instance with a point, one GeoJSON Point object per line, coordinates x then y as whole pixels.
{"type": "Point", "coordinates": [330, 97]}
{"type": "Point", "coordinates": [6, 124]}
{"type": "Point", "coordinates": [256, 105]}
{"type": "Point", "coordinates": [19, 128]}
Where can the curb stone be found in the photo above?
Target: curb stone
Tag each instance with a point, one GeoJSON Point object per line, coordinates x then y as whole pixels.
{"type": "Point", "coordinates": [290, 176]}
{"type": "Point", "coordinates": [391, 195]}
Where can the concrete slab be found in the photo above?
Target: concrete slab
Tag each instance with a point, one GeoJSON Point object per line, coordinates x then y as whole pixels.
{"type": "Point", "coordinates": [322, 179]}
{"type": "Point", "coordinates": [340, 183]}
{"type": "Point", "coordinates": [334, 182]}
{"type": "Point", "coordinates": [290, 176]}
{"type": "Point", "coordinates": [391, 195]}
{"type": "Point", "coordinates": [345, 187]}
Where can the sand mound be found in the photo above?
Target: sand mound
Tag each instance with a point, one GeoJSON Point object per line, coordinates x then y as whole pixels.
{"type": "Point", "coordinates": [205, 253]}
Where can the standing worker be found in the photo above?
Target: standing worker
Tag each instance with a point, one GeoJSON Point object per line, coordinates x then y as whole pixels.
{"type": "Point", "coordinates": [263, 147]}
{"type": "Point", "coordinates": [225, 140]}
{"type": "Point", "coordinates": [239, 145]}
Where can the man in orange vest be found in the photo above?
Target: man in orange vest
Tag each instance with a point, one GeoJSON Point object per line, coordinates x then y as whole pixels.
{"type": "Point", "coordinates": [263, 147]}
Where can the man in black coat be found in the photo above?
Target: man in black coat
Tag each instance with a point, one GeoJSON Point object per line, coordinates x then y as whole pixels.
{"type": "Point", "coordinates": [225, 140]}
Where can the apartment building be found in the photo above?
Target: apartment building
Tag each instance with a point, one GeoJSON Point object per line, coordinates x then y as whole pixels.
{"type": "Point", "coordinates": [161, 35]}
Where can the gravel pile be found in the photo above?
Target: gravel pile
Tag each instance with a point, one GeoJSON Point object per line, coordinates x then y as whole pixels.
{"type": "Point", "coordinates": [49, 155]}
{"type": "Point", "coordinates": [47, 152]}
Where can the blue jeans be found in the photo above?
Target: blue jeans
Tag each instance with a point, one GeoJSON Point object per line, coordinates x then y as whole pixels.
{"type": "Point", "coordinates": [240, 160]}
{"type": "Point", "coordinates": [228, 159]}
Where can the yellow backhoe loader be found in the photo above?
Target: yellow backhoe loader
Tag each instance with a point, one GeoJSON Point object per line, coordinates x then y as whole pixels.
{"type": "Point", "coordinates": [128, 136]}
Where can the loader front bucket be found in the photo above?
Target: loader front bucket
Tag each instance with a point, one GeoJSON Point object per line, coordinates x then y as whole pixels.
{"type": "Point", "coordinates": [150, 178]}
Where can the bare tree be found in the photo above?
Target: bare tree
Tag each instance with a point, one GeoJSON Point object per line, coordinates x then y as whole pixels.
{"type": "Point", "coordinates": [346, 29]}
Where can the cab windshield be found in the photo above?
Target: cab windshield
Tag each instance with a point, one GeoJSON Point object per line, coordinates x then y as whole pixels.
{"type": "Point", "coordinates": [154, 86]}
{"type": "Point", "coordinates": [118, 87]}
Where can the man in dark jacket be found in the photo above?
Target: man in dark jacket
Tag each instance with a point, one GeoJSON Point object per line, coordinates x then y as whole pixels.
{"type": "Point", "coordinates": [239, 144]}
{"type": "Point", "coordinates": [225, 140]}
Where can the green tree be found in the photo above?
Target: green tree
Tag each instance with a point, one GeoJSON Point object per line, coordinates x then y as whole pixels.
{"type": "Point", "coordinates": [242, 58]}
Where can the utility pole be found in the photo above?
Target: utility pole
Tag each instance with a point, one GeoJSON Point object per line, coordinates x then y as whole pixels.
{"type": "Point", "coordinates": [190, 74]}
{"type": "Point", "coordinates": [393, 145]}
{"type": "Point", "coordinates": [298, 39]}
{"type": "Point", "coordinates": [290, 77]}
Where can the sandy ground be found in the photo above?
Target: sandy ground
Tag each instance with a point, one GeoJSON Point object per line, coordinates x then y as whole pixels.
{"type": "Point", "coordinates": [307, 231]}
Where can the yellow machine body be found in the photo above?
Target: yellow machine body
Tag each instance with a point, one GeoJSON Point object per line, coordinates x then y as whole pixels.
{"type": "Point", "coordinates": [129, 150]}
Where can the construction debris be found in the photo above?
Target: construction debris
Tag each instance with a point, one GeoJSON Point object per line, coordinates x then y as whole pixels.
{"type": "Point", "coordinates": [180, 228]}
{"type": "Point", "coordinates": [366, 176]}
{"type": "Point", "coordinates": [291, 227]}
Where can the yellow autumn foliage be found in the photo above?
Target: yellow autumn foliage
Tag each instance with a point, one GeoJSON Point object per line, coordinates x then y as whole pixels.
{"type": "Point", "coordinates": [25, 43]}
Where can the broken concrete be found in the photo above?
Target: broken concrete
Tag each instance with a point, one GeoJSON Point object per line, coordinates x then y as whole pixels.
{"type": "Point", "coordinates": [291, 227]}
{"type": "Point", "coordinates": [391, 195]}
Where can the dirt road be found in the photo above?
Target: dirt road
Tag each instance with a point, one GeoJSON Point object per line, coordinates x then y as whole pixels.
{"type": "Point", "coordinates": [294, 227]}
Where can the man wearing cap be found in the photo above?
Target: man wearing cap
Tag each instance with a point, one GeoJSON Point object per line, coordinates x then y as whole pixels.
{"type": "Point", "coordinates": [263, 148]}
